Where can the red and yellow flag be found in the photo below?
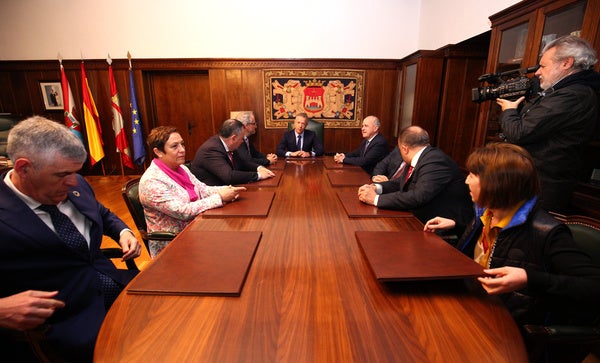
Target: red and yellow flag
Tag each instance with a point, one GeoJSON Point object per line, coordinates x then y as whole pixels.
{"type": "Point", "coordinates": [91, 118]}
{"type": "Point", "coordinates": [117, 122]}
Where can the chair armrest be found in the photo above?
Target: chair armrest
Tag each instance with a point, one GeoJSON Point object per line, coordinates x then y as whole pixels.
{"type": "Point", "coordinates": [115, 252]}
{"type": "Point", "coordinates": [161, 236]}
{"type": "Point", "coordinates": [563, 332]}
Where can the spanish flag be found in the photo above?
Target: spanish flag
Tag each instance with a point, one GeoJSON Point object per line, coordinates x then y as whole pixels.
{"type": "Point", "coordinates": [92, 121]}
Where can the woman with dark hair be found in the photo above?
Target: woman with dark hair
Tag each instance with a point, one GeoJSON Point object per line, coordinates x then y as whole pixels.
{"type": "Point", "coordinates": [171, 195]}
{"type": "Point", "coordinates": [530, 258]}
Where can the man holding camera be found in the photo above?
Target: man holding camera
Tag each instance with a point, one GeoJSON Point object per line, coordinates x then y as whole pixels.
{"type": "Point", "coordinates": [554, 126]}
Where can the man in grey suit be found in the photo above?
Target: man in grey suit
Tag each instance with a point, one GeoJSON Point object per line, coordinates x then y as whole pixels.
{"type": "Point", "coordinates": [389, 168]}
{"type": "Point", "coordinates": [247, 149]}
{"type": "Point", "coordinates": [431, 185]}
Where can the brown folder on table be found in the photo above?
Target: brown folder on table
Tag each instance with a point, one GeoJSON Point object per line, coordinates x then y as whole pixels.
{"type": "Point", "coordinates": [414, 255]}
{"type": "Point", "coordinates": [251, 203]}
{"type": "Point", "coordinates": [348, 177]}
{"type": "Point", "coordinates": [356, 208]}
{"type": "Point", "coordinates": [200, 263]}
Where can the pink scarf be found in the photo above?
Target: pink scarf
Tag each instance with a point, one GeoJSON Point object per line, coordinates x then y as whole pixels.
{"type": "Point", "coordinates": [180, 177]}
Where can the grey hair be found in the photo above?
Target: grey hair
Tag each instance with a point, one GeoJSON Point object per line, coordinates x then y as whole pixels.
{"type": "Point", "coordinates": [41, 140]}
{"type": "Point", "coordinates": [244, 117]}
{"type": "Point", "coordinates": [584, 55]}
{"type": "Point", "coordinates": [376, 121]}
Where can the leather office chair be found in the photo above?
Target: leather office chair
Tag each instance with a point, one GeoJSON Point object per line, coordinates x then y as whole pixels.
{"type": "Point", "coordinates": [586, 233]}
{"type": "Point", "coordinates": [317, 127]}
{"type": "Point", "coordinates": [130, 193]}
{"type": "Point", "coordinates": [6, 124]}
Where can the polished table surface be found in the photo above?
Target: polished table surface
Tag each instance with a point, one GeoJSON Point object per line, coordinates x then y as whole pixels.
{"type": "Point", "coordinates": [310, 297]}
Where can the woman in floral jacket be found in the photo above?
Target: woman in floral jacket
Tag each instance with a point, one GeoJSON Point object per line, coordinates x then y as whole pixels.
{"type": "Point", "coordinates": [171, 195]}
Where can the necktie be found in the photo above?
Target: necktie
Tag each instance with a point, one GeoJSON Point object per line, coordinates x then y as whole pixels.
{"type": "Point", "coordinates": [230, 154]}
{"type": "Point", "coordinates": [247, 144]}
{"type": "Point", "coordinates": [398, 172]}
{"type": "Point", "coordinates": [408, 173]}
{"type": "Point", "coordinates": [365, 149]}
{"type": "Point", "coordinates": [299, 143]}
{"type": "Point", "coordinates": [66, 230]}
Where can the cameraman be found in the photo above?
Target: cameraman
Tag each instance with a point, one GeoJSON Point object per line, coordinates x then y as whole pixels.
{"type": "Point", "coordinates": [555, 125]}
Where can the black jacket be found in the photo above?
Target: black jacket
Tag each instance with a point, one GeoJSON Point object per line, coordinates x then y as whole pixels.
{"type": "Point", "coordinates": [436, 187]}
{"type": "Point", "coordinates": [563, 284]}
{"type": "Point", "coordinates": [553, 128]}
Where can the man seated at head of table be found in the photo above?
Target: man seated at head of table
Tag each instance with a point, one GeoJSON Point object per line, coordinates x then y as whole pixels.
{"type": "Point", "coordinates": [531, 260]}
{"type": "Point", "coordinates": [431, 184]}
{"type": "Point", "coordinates": [299, 142]}
{"type": "Point", "coordinates": [372, 149]}
{"type": "Point", "coordinates": [170, 194]}
{"type": "Point", "coordinates": [388, 168]}
{"type": "Point", "coordinates": [247, 149]}
{"type": "Point", "coordinates": [217, 161]}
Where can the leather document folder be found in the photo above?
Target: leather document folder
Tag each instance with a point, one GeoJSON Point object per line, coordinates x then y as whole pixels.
{"type": "Point", "coordinates": [414, 255]}
{"type": "Point", "coordinates": [355, 208]}
{"type": "Point", "coordinates": [348, 177]}
{"type": "Point", "coordinates": [200, 263]}
{"type": "Point", "coordinates": [251, 203]}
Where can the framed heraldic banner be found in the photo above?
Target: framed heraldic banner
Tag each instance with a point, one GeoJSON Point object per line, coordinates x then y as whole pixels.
{"type": "Point", "coordinates": [331, 96]}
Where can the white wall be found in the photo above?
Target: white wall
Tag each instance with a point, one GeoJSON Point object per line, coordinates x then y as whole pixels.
{"type": "Point", "coordinates": [449, 22]}
{"type": "Point", "coordinates": [385, 29]}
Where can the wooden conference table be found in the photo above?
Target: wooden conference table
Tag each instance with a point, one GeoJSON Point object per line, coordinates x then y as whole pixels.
{"type": "Point", "coordinates": [310, 296]}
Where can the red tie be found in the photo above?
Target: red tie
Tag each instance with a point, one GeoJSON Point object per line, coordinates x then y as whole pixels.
{"type": "Point", "coordinates": [410, 169]}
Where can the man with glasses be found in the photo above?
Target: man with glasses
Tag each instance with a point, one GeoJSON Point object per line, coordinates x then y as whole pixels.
{"type": "Point", "coordinates": [247, 150]}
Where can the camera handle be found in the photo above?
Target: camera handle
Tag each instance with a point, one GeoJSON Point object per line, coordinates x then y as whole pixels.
{"type": "Point", "coordinates": [497, 77]}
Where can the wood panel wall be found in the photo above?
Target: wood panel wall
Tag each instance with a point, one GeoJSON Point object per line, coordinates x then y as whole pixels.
{"type": "Point", "coordinates": [234, 85]}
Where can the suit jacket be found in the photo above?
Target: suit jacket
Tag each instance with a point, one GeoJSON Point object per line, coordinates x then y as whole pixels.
{"type": "Point", "coordinates": [367, 159]}
{"type": "Point", "coordinates": [212, 166]}
{"type": "Point", "coordinates": [249, 152]}
{"type": "Point", "coordinates": [289, 143]}
{"type": "Point", "coordinates": [33, 257]}
{"type": "Point", "coordinates": [436, 187]}
{"type": "Point", "coordinates": [389, 165]}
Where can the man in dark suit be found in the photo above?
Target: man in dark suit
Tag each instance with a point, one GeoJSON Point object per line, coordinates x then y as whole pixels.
{"type": "Point", "coordinates": [247, 149]}
{"type": "Point", "coordinates": [432, 184]}
{"type": "Point", "coordinates": [217, 161]}
{"type": "Point", "coordinates": [372, 149]}
{"type": "Point", "coordinates": [52, 226]}
{"type": "Point", "coordinates": [389, 168]}
{"type": "Point", "coordinates": [299, 142]}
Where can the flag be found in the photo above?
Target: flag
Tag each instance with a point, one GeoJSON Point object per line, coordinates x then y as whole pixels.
{"type": "Point", "coordinates": [69, 105]}
{"type": "Point", "coordinates": [139, 151]}
{"type": "Point", "coordinates": [92, 121]}
{"type": "Point", "coordinates": [117, 122]}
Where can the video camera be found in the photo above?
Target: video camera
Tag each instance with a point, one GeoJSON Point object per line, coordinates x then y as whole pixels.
{"type": "Point", "coordinates": [509, 85]}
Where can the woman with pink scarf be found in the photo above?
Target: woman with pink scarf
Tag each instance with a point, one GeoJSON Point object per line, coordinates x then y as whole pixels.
{"type": "Point", "coordinates": [171, 195]}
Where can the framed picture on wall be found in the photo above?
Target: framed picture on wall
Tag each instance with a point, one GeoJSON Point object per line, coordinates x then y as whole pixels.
{"type": "Point", "coordinates": [52, 95]}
